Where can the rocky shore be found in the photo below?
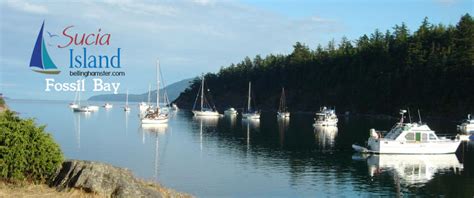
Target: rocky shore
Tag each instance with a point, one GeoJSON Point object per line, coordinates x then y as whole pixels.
{"type": "Point", "coordinates": [106, 181]}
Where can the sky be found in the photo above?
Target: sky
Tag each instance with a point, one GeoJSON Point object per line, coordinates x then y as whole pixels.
{"type": "Point", "coordinates": [188, 37]}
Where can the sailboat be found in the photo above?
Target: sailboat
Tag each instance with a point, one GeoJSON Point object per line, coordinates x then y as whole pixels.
{"type": "Point", "coordinates": [74, 103]}
{"type": "Point", "coordinates": [80, 108]}
{"type": "Point", "coordinates": [126, 108]}
{"type": "Point", "coordinates": [204, 111]}
{"type": "Point", "coordinates": [282, 109]}
{"type": "Point", "coordinates": [156, 116]}
{"type": "Point", "coordinates": [40, 60]}
{"type": "Point", "coordinates": [249, 114]}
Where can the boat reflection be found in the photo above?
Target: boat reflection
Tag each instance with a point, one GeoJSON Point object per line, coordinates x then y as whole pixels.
{"type": "Point", "coordinates": [325, 135]}
{"type": "Point", "coordinates": [249, 124]}
{"type": "Point", "coordinates": [283, 124]}
{"type": "Point", "coordinates": [77, 126]}
{"type": "Point", "coordinates": [231, 121]}
{"type": "Point", "coordinates": [154, 128]}
{"type": "Point", "coordinates": [413, 170]}
{"type": "Point", "coordinates": [205, 121]}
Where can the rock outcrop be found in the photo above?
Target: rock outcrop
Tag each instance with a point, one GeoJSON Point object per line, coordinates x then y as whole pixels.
{"type": "Point", "coordinates": [106, 180]}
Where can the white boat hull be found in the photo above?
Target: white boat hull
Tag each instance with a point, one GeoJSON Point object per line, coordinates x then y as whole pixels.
{"type": "Point", "coordinates": [206, 113]}
{"type": "Point", "coordinates": [252, 116]}
{"type": "Point", "coordinates": [395, 147]}
{"type": "Point", "coordinates": [146, 121]}
{"type": "Point", "coordinates": [230, 113]}
{"type": "Point", "coordinates": [94, 108]}
{"type": "Point", "coordinates": [73, 106]}
{"type": "Point", "coordinates": [82, 109]}
{"type": "Point", "coordinates": [466, 127]}
{"type": "Point", "coordinates": [283, 114]}
{"type": "Point", "coordinates": [108, 106]}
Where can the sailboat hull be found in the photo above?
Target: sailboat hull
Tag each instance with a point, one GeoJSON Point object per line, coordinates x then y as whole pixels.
{"type": "Point", "coordinates": [154, 121]}
{"type": "Point", "coordinates": [283, 115]}
{"type": "Point", "coordinates": [252, 116]}
{"type": "Point", "coordinates": [206, 113]}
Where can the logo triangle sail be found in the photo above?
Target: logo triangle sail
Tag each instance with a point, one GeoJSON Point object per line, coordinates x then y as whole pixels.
{"type": "Point", "coordinates": [40, 60]}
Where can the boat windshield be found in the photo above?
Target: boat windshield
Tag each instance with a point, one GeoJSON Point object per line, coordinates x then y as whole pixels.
{"type": "Point", "coordinates": [394, 133]}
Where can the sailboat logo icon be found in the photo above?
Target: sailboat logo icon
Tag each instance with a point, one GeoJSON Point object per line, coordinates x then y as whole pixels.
{"type": "Point", "coordinates": [40, 60]}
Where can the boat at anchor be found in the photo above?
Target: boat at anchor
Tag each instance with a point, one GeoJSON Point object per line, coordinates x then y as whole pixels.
{"type": "Point", "coordinates": [205, 109]}
{"type": "Point", "coordinates": [155, 116]}
{"type": "Point", "coordinates": [408, 138]}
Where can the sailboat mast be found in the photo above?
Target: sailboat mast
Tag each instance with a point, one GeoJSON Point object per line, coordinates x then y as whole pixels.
{"type": "Point", "coordinates": [126, 100]}
{"type": "Point", "coordinates": [157, 84]}
{"type": "Point", "coordinates": [282, 100]}
{"type": "Point", "coordinates": [248, 102]}
{"type": "Point", "coordinates": [149, 88]}
{"type": "Point", "coordinates": [202, 92]}
{"type": "Point", "coordinates": [79, 99]}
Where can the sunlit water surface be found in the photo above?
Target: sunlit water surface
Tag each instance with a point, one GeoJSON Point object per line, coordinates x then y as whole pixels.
{"type": "Point", "coordinates": [271, 158]}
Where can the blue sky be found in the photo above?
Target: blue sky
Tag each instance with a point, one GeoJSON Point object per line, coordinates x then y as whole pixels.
{"type": "Point", "coordinates": [190, 37]}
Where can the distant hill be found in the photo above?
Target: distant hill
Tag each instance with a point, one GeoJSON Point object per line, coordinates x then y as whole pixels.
{"type": "Point", "coordinates": [173, 91]}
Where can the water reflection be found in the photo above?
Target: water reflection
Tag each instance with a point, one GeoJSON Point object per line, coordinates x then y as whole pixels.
{"type": "Point", "coordinates": [412, 170]}
{"type": "Point", "coordinates": [250, 124]}
{"type": "Point", "coordinates": [77, 125]}
{"type": "Point", "coordinates": [127, 114]}
{"type": "Point", "coordinates": [207, 122]}
{"type": "Point", "coordinates": [283, 124]}
{"type": "Point", "coordinates": [325, 135]}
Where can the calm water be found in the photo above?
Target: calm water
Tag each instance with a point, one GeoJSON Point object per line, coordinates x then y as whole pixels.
{"type": "Point", "coordinates": [228, 157]}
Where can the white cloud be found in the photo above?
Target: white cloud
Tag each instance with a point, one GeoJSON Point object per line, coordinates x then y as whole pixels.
{"type": "Point", "coordinates": [27, 7]}
{"type": "Point", "coordinates": [203, 2]}
{"type": "Point", "coordinates": [138, 7]}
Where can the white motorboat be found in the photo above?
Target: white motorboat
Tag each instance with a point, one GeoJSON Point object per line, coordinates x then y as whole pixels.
{"type": "Point", "coordinates": [230, 112]}
{"type": "Point", "coordinates": [408, 138]}
{"type": "Point", "coordinates": [325, 117]}
{"type": "Point", "coordinates": [175, 107]}
{"type": "Point", "coordinates": [155, 116]}
{"type": "Point", "coordinates": [250, 114]}
{"type": "Point", "coordinates": [282, 108]}
{"type": "Point", "coordinates": [467, 125]}
{"type": "Point", "coordinates": [93, 108]}
{"type": "Point", "coordinates": [108, 106]}
{"type": "Point", "coordinates": [206, 109]}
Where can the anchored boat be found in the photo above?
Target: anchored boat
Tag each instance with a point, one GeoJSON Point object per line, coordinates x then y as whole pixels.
{"type": "Point", "coordinates": [206, 108]}
{"type": "Point", "coordinates": [230, 112]}
{"type": "Point", "coordinates": [408, 138]}
{"type": "Point", "coordinates": [282, 108]}
{"type": "Point", "coordinates": [249, 114]}
{"type": "Point", "coordinates": [467, 125]}
{"type": "Point", "coordinates": [155, 116]}
{"type": "Point", "coordinates": [325, 117]}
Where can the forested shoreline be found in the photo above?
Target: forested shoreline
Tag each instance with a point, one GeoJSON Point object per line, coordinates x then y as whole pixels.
{"type": "Point", "coordinates": [431, 69]}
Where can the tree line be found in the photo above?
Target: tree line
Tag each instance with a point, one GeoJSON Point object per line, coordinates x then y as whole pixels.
{"type": "Point", "coordinates": [431, 69]}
